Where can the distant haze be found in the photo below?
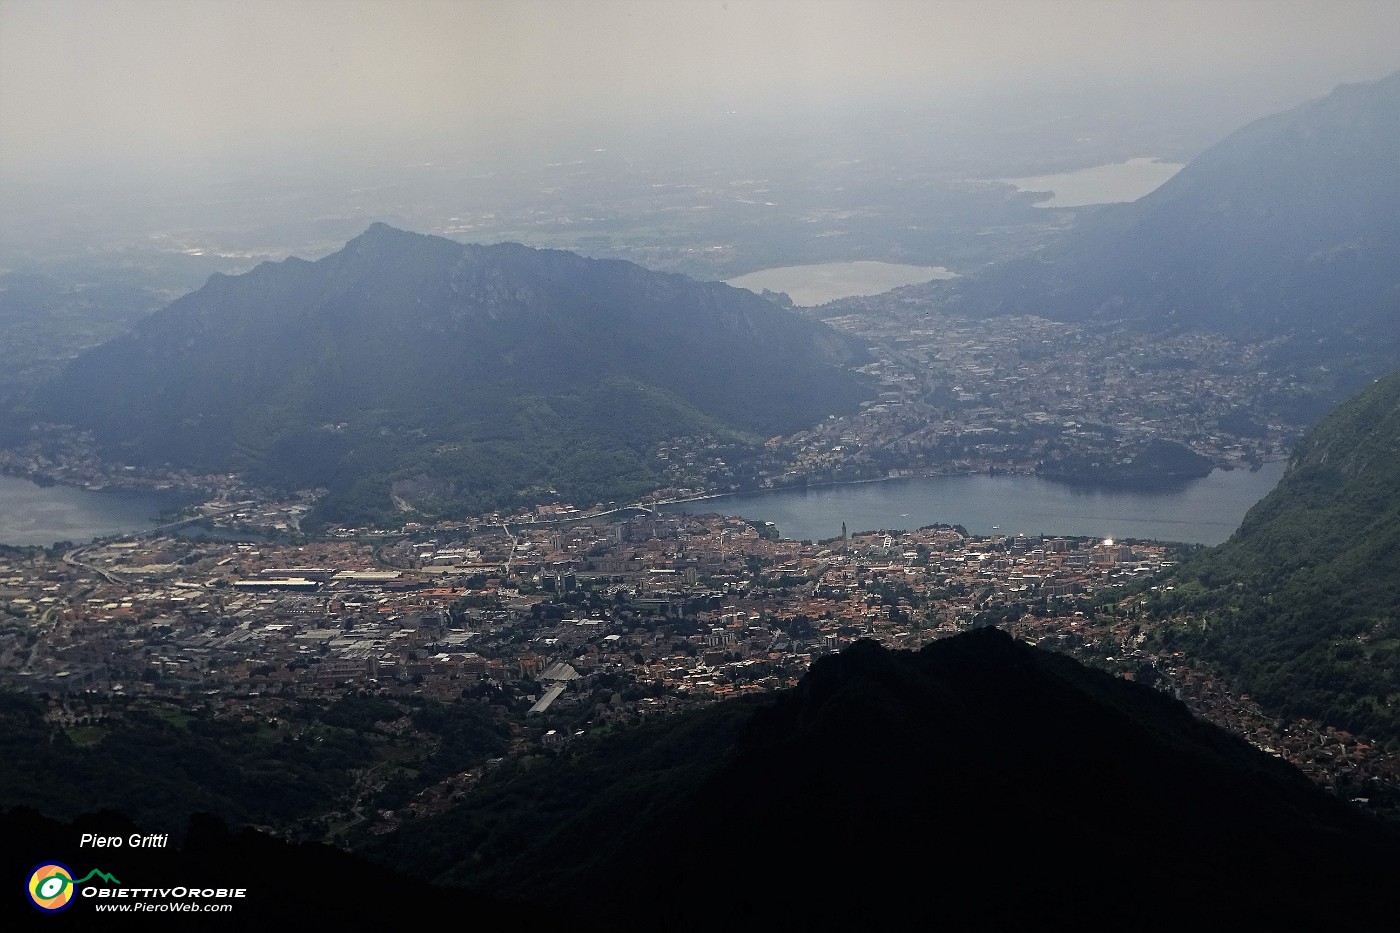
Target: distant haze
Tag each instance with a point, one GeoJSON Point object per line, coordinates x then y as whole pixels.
{"type": "Point", "coordinates": [92, 92]}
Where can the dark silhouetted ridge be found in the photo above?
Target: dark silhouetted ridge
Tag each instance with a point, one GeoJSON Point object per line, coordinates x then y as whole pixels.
{"type": "Point", "coordinates": [978, 783]}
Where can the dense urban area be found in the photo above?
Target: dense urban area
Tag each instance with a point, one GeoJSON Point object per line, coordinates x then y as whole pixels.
{"type": "Point", "coordinates": [564, 627]}
{"type": "Point", "coordinates": [1023, 394]}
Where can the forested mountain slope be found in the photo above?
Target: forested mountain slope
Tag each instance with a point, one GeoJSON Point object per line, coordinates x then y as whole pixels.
{"type": "Point", "coordinates": [1302, 605]}
{"type": "Point", "coordinates": [453, 376]}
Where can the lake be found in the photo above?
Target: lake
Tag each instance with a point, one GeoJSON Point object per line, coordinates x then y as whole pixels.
{"type": "Point", "coordinates": [43, 515]}
{"type": "Point", "coordinates": [1206, 511]}
{"type": "Point", "coordinates": [1102, 184]}
{"type": "Point", "coordinates": [818, 283]}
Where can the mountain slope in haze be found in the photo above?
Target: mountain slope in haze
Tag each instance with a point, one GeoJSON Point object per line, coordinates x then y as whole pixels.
{"type": "Point", "coordinates": [1289, 225]}
{"type": "Point", "coordinates": [979, 783]}
{"type": "Point", "coordinates": [458, 376]}
{"type": "Point", "coordinates": [1302, 604]}
{"type": "Point", "coordinates": [47, 322]}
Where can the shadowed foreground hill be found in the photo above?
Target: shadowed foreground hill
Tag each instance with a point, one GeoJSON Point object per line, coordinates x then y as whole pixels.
{"type": "Point", "coordinates": [979, 783]}
{"type": "Point", "coordinates": [414, 371]}
{"type": "Point", "coordinates": [1302, 605]}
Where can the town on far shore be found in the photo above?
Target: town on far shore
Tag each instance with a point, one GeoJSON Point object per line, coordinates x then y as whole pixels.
{"type": "Point", "coordinates": [951, 395]}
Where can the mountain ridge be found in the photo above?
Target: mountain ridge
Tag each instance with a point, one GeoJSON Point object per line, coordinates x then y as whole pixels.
{"type": "Point", "coordinates": [483, 372]}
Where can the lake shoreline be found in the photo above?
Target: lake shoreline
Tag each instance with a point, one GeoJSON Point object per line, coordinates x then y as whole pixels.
{"type": "Point", "coordinates": [1202, 511]}
{"type": "Point", "coordinates": [1074, 481]}
{"type": "Point", "coordinates": [1111, 183]}
{"type": "Point", "coordinates": [44, 512]}
{"type": "Point", "coordinates": [814, 284]}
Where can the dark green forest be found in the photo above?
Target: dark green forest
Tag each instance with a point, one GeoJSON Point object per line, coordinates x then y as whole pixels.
{"type": "Point", "coordinates": [1302, 605]}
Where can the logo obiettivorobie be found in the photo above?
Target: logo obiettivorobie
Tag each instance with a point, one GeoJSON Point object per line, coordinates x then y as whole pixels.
{"type": "Point", "coordinates": [51, 886]}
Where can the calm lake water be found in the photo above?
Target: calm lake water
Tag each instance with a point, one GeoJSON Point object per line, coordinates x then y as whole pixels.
{"type": "Point", "coordinates": [33, 514]}
{"type": "Point", "coordinates": [1206, 511]}
{"type": "Point", "coordinates": [1103, 184]}
{"type": "Point", "coordinates": [819, 283]}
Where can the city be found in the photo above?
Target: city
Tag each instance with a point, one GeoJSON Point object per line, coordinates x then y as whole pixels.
{"type": "Point", "coordinates": [565, 628]}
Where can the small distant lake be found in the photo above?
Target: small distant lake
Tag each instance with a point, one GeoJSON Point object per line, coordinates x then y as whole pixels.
{"type": "Point", "coordinates": [44, 515]}
{"type": "Point", "coordinates": [819, 283]}
{"type": "Point", "coordinates": [1102, 184]}
{"type": "Point", "coordinates": [1206, 511]}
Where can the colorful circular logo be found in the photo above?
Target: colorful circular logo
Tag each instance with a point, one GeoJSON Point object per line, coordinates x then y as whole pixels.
{"type": "Point", "coordinates": [51, 887]}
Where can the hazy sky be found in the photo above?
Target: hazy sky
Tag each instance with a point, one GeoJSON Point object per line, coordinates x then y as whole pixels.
{"type": "Point", "coordinates": [96, 83]}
